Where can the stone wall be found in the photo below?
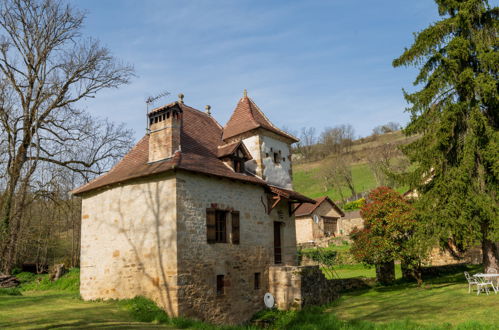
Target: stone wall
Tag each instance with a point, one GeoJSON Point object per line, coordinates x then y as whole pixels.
{"type": "Point", "coordinates": [304, 230]}
{"type": "Point", "coordinates": [261, 144]}
{"type": "Point", "coordinates": [128, 242]}
{"type": "Point", "coordinates": [440, 257]}
{"type": "Point", "coordinates": [295, 287]}
{"type": "Point", "coordinates": [349, 222]}
{"type": "Point", "coordinates": [199, 262]}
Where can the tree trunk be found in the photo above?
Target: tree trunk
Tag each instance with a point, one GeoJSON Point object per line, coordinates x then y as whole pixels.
{"type": "Point", "coordinates": [385, 273]}
{"type": "Point", "coordinates": [490, 257]}
{"type": "Point", "coordinates": [406, 271]}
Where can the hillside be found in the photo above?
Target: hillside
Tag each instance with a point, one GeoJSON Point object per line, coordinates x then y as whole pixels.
{"type": "Point", "coordinates": [307, 176]}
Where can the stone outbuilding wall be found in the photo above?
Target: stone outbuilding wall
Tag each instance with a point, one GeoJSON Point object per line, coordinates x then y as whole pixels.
{"type": "Point", "coordinates": [295, 287]}
{"type": "Point", "coordinates": [327, 225]}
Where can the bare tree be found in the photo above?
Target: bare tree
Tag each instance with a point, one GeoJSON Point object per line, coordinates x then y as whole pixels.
{"type": "Point", "coordinates": [337, 174]}
{"type": "Point", "coordinates": [385, 161]}
{"type": "Point", "coordinates": [46, 67]}
{"type": "Point", "coordinates": [307, 141]}
{"type": "Point", "coordinates": [386, 128]}
{"type": "Point", "coordinates": [337, 140]}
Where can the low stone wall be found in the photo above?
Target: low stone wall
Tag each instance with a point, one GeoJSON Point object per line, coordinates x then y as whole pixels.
{"type": "Point", "coordinates": [439, 257]}
{"type": "Point", "coordinates": [295, 287]}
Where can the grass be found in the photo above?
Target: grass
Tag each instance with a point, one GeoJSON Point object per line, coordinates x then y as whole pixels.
{"type": "Point", "coordinates": [69, 282]}
{"type": "Point", "coordinates": [436, 303]}
{"type": "Point", "coordinates": [443, 303]}
{"type": "Point", "coordinates": [62, 309]}
{"type": "Point", "coordinates": [307, 181]}
{"type": "Point", "coordinates": [359, 270]}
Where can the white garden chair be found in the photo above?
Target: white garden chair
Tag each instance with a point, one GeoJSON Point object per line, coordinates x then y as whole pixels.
{"type": "Point", "coordinates": [471, 281]}
{"type": "Point", "coordinates": [480, 282]}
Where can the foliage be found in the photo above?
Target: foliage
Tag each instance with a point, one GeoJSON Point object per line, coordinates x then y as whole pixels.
{"type": "Point", "coordinates": [390, 231]}
{"type": "Point", "coordinates": [26, 277]}
{"type": "Point", "coordinates": [69, 282]}
{"type": "Point", "coordinates": [354, 205]}
{"type": "Point", "coordinates": [455, 113]}
{"type": "Point", "coordinates": [323, 256]}
{"type": "Point", "coordinates": [143, 310]}
{"type": "Point", "coordinates": [10, 292]}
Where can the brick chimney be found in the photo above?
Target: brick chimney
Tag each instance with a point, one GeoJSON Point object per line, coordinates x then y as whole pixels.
{"type": "Point", "coordinates": [165, 125]}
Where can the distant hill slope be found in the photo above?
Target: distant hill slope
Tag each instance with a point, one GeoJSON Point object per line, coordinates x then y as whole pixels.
{"type": "Point", "coordinates": [307, 175]}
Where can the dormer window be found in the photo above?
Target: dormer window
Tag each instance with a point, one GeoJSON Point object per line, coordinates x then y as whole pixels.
{"type": "Point", "coordinates": [238, 165]}
{"type": "Point", "coordinates": [234, 155]}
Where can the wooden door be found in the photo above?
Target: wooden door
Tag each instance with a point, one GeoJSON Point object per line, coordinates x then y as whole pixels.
{"type": "Point", "coordinates": [277, 243]}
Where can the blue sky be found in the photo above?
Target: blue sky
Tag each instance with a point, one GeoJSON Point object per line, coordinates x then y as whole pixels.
{"type": "Point", "coordinates": [305, 63]}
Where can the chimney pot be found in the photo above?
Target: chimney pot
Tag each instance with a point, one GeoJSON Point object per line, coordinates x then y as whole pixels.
{"type": "Point", "coordinates": [208, 108]}
{"type": "Point", "coordinates": [181, 98]}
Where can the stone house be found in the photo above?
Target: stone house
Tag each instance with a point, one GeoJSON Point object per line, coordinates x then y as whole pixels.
{"type": "Point", "coordinates": [317, 221]}
{"type": "Point", "coordinates": [197, 217]}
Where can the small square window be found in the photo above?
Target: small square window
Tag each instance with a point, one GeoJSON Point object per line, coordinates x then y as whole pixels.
{"type": "Point", "coordinates": [277, 158]}
{"type": "Point", "coordinates": [257, 281]}
{"type": "Point", "coordinates": [220, 285]}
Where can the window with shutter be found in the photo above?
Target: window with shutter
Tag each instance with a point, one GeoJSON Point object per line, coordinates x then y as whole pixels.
{"type": "Point", "coordinates": [220, 226]}
{"type": "Point", "coordinates": [211, 226]}
{"type": "Point", "coordinates": [235, 227]}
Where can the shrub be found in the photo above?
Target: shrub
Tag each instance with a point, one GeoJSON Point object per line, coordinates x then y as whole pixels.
{"type": "Point", "coordinates": [26, 277]}
{"type": "Point", "coordinates": [143, 310]}
{"type": "Point", "coordinates": [10, 292]}
{"type": "Point", "coordinates": [68, 282]}
{"type": "Point", "coordinates": [354, 205]}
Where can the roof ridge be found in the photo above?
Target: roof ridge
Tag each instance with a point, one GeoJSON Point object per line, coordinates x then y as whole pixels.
{"type": "Point", "coordinates": [269, 122]}
{"type": "Point", "coordinates": [203, 113]}
{"type": "Point", "coordinates": [251, 112]}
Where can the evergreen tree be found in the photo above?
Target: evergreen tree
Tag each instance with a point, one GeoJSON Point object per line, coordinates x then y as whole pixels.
{"type": "Point", "coordinates": [456, 114]}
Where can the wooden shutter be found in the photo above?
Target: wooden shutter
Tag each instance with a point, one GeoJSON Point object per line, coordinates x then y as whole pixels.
{"type": "Point", "coordinates": [210, 226]}
{"type": "Point", "coordinates": [235, 227]}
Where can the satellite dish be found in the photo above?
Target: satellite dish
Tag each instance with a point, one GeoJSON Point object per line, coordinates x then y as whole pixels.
{"type": "Point", "coordinates": [268, 299]}
{"type": "Point", "coordinates": [316, 218]}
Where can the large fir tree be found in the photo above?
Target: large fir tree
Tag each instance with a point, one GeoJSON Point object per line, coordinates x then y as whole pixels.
{"type": "Point", "coordinates": [456, 114]}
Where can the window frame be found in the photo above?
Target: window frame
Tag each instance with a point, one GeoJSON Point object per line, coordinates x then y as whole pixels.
{"type": "Point", "coordinates": [220, 286]}
{"type": "Point", "coordinates": [257, 281]}
{"type": "Point", "coordinates": [220, 226]}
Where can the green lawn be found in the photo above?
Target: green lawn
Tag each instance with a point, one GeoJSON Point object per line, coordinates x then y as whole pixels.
{"type": "Point", "coordinates": [359, 270]}
{"type": "Point", "coordinates": [442, 303]}
{"type": "Point", "coordinates": [436, 303]}
{"type": "Point", "coordinates": [48, 309]}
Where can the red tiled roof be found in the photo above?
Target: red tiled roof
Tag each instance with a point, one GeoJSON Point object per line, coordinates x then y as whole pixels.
{"type": "Point", "coordinates": [229, 149]}
{"type": "Point", "coordinates": [200, 139]}
{"type": "Point", "coordinates": [246, 117]}
{"type": "Point", "coordinates": [291, 195]}
{"type": "Point", "coordinates": [307, 209]}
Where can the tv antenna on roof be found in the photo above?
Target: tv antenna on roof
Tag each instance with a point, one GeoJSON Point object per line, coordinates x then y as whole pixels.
{"type": "Point", "coordinates": [149, 101]}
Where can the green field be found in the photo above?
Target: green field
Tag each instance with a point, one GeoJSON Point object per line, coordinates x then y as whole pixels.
{"type": "Point", "coordinates": [442, 303]}
{"type": "Point", "coordinates": [307, 181]}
